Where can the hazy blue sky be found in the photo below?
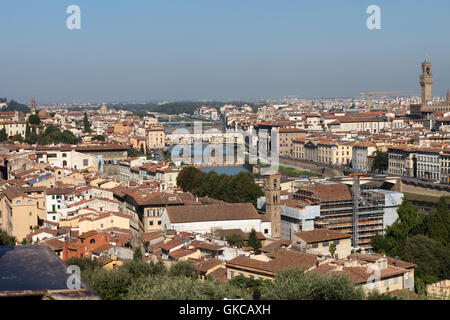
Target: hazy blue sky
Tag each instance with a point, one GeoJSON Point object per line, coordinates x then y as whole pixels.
{"type": "Point", "coordinates": [202, 49]}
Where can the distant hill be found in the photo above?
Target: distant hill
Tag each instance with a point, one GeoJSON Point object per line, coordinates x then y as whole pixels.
{"type": "Point", "coordinates": [14, 106]}
{"type": "Point", "coordinates": [174, 107]}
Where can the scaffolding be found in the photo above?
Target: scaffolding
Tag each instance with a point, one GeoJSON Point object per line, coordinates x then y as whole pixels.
{"type": "Point", "coordinates": [361, 216]}
{"type": "Point", "coordinates": [355, 198]}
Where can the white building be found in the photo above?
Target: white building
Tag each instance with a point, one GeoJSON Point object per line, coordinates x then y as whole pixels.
{"type": "Point", "coordinates": [392, 200]}
{"type": "Point", "coordinates": [295, 215]}
{"type": "Point", "coordinates": [71, 159]}
{"type": "Point", "coordinates": [207, 218]}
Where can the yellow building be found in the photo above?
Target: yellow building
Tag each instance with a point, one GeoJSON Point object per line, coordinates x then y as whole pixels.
{"type": "Point", "coordinates": [321, 240]}
{"type": "Point", "coordinates": [109, 263]}
{"type": "Point", "coordinates": [120, 128]}
{"type": "Point", "coordinates": [104, 221]}
{"type": "Point", "coordinates": [156, 138]}
{"type": "Point", "coordinates": [343, 154]}
{"type": "Point", "coordinates": [18, 213]}
{"type": "Point", "coordinates": [325, 149]}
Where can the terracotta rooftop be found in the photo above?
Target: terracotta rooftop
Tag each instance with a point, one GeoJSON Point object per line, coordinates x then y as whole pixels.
{"type": "Point", "coordinates": [212, 212]}
{"type": "Point", "coordinates": [285, 259]}
{"type": "Point", "coordinates": [321, 235]}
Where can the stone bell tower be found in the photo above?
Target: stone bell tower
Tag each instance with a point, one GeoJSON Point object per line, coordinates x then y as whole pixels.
{"type": "Point", "coordinates": [426, 82]}
{"type": "Point", "coordinates": [272, 189]}
{"type": "Point", "coordinates": [32, 106]}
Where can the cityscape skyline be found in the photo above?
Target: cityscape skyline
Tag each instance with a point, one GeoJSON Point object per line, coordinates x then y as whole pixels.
{"type": "Point", "coordinates": [194, 51]}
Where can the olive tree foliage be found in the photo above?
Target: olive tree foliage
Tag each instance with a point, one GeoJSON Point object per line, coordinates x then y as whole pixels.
{"type": "Point", "coordinates": [114, 284]}
{"type": "Point", "coordinates": [185, 269]}
{"type": "Point", "coordinates": [295, 284]}
{"type": "Point", "coordinates": [167, 287]}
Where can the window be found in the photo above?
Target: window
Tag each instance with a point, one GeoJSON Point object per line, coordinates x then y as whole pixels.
{"type": "Point", "coordinates": [266, 231]}
{"type": "Point", "coordinates": [151, 223]}
{"type": "Point", "coordinates": [315, 245]}
{"type": "Point", "coordinates": [325, 244]}
{"type": "Point", "coordinates": [92, 241]}
{"type": "Point", "coordinates": [159, 222]}
{"type": "Point", "coordinates": [336, 242]}
{"type": "Point", "coordinates": [85, 162]}
{"type": "Point", "coordinates": [64, 155]}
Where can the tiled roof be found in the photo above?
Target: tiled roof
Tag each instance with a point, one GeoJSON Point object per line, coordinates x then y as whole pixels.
{"type": "Point", "coordinates": [212, 212]}
{"type": "Point", "coordinates": [284, 259]}
{"type": "Point", "coordinates": [321, 235]}
{"type": "Point", "coordinates": [219, 274]}
{"type": "Point", "coordinates": [208, 264]}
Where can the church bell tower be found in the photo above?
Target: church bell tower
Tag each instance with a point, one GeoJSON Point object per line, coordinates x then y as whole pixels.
{"type": "Point", "coordinates": [272, 190]}
{"type": "Point", "coordinates": [32, 106]}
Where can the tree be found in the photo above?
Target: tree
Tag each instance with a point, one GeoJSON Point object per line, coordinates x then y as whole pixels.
{"type": "Point", "coordinates": [32, 139]}
{"type": "Point", "coordinates": [17, 137]}
{"type": "Point", "coordinates": [381, 161]}
{"type": "Point", "coordinates": [254, 242]}
{"type": "Point", "coordinates": [375, 295]}
{"type": "Point", "coordinates": [3, 135]}
{"type": "Point", "coordinates": [243, 282]}
{"type": "Point", "coordinates": [27, 132]}
{"type": "Point", "coordinates": [185, 269]}
{"type": "Point", "coordinates": [6, 239]}
{"type": "Point", "coordinates": [137, 255]}
{"type": "Point", "coordinates": [295, 284]}
{"type": "Point", "coordinates": [332, 249]}
{"type": "Point", "coordinates": [438, 223]}
{"type": "Point", "coordinates": [85, 264]}
{"type": "Point", "coordinates": [34, 119]}
{"type": "Point", "coordinates": [86, 124]}
{"type": "Point", "coordinates": [432, 259]}
{"type": "Point", "coordinates": [421, 239]}
{"type": "Point", "coordinates": [53, 134]}
{"type": "Point", "coordinates": [168, 287]}
{"type": "Point", "coordinates": [141, 150]}
{"type": "Point", "coordinates": [132, 152]}
{"type": "Point", "coordinates": [235, 240]}
{"type": "Point", "coordinates": [409, 218]}
{"type": "Point", "coordinates": [110, 285]}
{"type": "Point", "coordinates": [98, 138]}
{"type": "Point", "coordinates": [240, 188]}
